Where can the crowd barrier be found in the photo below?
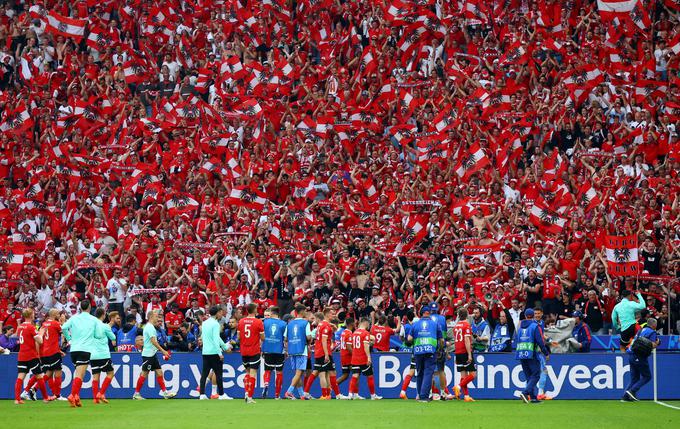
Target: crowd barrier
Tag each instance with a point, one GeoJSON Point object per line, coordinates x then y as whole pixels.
{"type": "Point", "coordinates": [571, 376]}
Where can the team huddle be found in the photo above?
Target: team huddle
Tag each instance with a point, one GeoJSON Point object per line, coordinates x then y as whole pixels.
{"type": "Point", "coordinates": [307, 340]}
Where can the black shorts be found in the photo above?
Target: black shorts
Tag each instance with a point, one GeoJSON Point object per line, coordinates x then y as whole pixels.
{"type": "Point", "coordinates": [310, 365]}
{"type": "Point", "coordinates": [321, 365]}
{"type": "Point", "coordinates": [462, 363]}
{"type": "Point", "coordinates": [274, 361]}
{"type": "Point", "coordinates": [251, 362]}
{"type": "Point", "coordinates": [150, 363]}
{"type": "Point", "coordinates": [51, 363]}
{"type": "Point", "coordinates": [346, 369]}
{"type": "Point", "coordinates": [80, 358]}
{"type": "Point", "coordinates": [627, 335]}
{"type": "Point", "coordinates": [412, 365]}
{"type": "Point", "coordinates": [101, 365]}
{"type": "Point", "coordinates": [365, 370]}
{"type": "Point", "coordinates": [26, 366]}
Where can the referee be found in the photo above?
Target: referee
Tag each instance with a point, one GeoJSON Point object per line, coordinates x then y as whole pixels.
{"type": "Point", "coordinates": [212, 351]}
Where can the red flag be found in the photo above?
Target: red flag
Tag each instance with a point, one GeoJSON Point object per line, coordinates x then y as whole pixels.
{"type": "Point", "coordinates": [245, 197]}
{"type": "Point", "coordinates": [545, 219]}
{"type": "Point", "coordinates": [622, 255]}
{"type": "Point", "coordinates": [67, 27]}
{"type": "Point", "coordinates": [415, 230]}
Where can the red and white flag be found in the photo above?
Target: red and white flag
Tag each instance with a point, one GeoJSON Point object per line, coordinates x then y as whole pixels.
{"type": "Point", "coordinates": [472, 162]}
{"type": "Point", "coordinates": [588, 196]}
{"type": "Point", "coordinates": [622, 255]}
{"type": "Point", "coordinates": [546, 220]}
{"type": "Point", "coordinates": [245, 197]}
{"type": "Point", "coordinates": [67, 27]}
{"type": "Point", "coordinates": [611, 9]}
{"type": "Point", "coordinates": [415, 230]}
{"type": "Point", "coordinates": [17, 121]}
{"type": "Point", "coordinates": [179, 203]}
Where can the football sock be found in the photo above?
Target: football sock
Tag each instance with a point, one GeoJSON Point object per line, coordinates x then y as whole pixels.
{"type": "Point", "coordinates": [41, 387]}
{"type": "Point", "coordinates": [140, 383]}
{"type": "Point", "coordinates": [464, 382]}
{"type": "Point", "coordinates": [18, 388]}
{"type": "Point", "coordinates": [105, 385]}
{"type": "Point", "coordinates": [31, 383]}
{"type": "Point", "coordinates": [334, 385]}
{"type": "Point", "coordinates": [95, 388]}
{"type": "Point", "coordinates": [161, 382]}
{"type": "Point", "coordinates": [407, 381]}
{"type": "Point", "coordinates": [301, 391]}
{"type": "Point", "coordinates": [279, 383]}
{"type": "Point", "coordinates": [267, 377]}
{"type": "Point", "coordinates": [371, 384]}
{"type": "Point", "coordinates": [213, 389]}
{"type": "Point", "coordinates": [309, 382]}
{"type": "Point", "coordinates": [353, 386]}
{"type": "Point", "coordinates": [56, 386]}
{"type": "Point", "coordinates": [435, 389]}
{"type": "Point", "coordinates": [77, 384]}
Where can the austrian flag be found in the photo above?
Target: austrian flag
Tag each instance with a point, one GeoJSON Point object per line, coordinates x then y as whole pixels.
{"type": "Point", "coordinates": [244, 197]}
{"type": "Point", "coordinates": [67, 27]}
{"type": "Point", "coordinates": [622, 255]}
{"type": "Point", "coordinates": [546, 220]}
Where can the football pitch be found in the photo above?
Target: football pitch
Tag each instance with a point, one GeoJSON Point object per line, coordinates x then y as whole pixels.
{"type": "Point", "coordinates": [194, 414]}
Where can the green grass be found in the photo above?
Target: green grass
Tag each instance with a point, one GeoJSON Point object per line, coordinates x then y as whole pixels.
{"type": "Point", "coordinates": [192, 414]}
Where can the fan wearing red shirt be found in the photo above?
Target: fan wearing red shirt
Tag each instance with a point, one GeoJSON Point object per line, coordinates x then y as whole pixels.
{"type": "Point", "coordinates": [552, 290]}
{"type": "Point", "coordinates": [465, 364]}
{"type": "Point", "coordinates": [251, 335]}
{"type": "Point", "coordinates": [361, 360]}
{"type": "Point", "coordinates": [29, 356]}
{"type": "Point", "coordinates": [323, 357]}
{"type": "Point", "coordinates": [346, 349]}
{"type": "Point", "coordinates": [382, 334]}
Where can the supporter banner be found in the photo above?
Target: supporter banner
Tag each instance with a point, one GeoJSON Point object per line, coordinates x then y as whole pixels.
{"type": "Point", "coordinates": [571, 376]}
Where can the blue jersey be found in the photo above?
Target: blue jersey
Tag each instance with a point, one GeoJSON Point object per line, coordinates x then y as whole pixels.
{"type": "Point", "coordinates": [296, 335]}
{"type": "Point", "coordinates": [440, 321]}
{"type": "Point", "coordinates": [125, 341]}
{"type": "Point", "coordinates": [274, 330]}
{"type": "Point", "coordinates": [529, 341]}
{"type": "Point", "coordinates": [425, 333]}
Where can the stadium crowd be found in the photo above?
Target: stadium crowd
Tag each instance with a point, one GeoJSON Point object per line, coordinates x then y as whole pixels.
{"type": "Point", "coordinates": [371, 156]}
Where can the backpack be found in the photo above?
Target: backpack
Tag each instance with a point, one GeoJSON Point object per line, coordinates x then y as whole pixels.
{"type": "Point", "coordinates": [642, 347]}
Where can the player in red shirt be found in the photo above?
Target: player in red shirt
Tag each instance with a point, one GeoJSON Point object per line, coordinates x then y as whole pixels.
{"type": "Point", "coordinates": [29, 356]}
{"type": "Point", "coordinates": [323, 358]}
{"type": "Point", "coordinates": [382, 333]}
{"type": "Point", "coordinates": [361, 361]}
{"type": "Point", "coordinates": [51, 355]}
{"type": "Point", "coordinates": [465, 364]}
{"type": "Point", "coordinates": [346, 350]}
{"type": "Point", "coordinates": [251, 335]}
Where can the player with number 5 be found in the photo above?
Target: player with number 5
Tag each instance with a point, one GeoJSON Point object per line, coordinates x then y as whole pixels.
{"type": "Point", "coordinates": [251, 335]}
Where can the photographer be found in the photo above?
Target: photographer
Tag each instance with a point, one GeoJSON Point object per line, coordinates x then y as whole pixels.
{"type": "Point", "coordinates": [480, 331]}
{"type": "Point", "coordinates": [645, 341]}
{"type": "Point", "coordinates": [183, 340]}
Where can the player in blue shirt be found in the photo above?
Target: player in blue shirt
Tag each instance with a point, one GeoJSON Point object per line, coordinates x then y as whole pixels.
{"type": "Point", "coordinates": [298, 335]}
{"type": "Point", "coordinates": [640, 373]}
{"type": "Point", "coordinates": [272, 349]}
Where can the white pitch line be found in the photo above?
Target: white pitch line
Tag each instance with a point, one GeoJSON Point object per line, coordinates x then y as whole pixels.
{"type": "Point", "coordinates": [667, 405]}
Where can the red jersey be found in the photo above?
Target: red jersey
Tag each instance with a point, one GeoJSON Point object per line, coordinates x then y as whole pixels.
{"type": "Point", "coordinates": [460, 331]}
{"type": "Point", "coordinates": [551, 287]}
{"type": "Point", "coordinates": [27, 348]}
{"type": "Point", "coordinates": [249, 332]}
{"type": "Point", "coordinates": [382, 337]}
{"type": "Point", "coordinates": [324, 328]}
{"type": "Point", "coordinates": [173, 319]}
{"type": "Point", "coordinates": [359, 338]}
{"type": "Point", "coordinates": [345, 353]}
{"type": "Point", "coordinates": [51, 337]}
